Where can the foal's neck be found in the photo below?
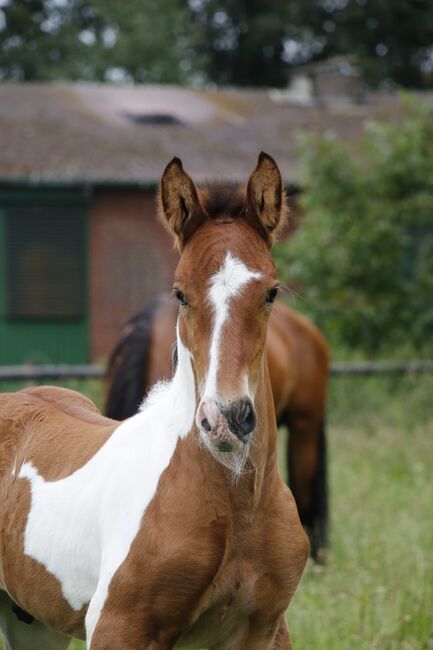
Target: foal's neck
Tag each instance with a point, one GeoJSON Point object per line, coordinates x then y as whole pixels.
{"type": "Point", "coordinates": [178, 403]}
{"type": "Point", "coordinates": [263, 454]}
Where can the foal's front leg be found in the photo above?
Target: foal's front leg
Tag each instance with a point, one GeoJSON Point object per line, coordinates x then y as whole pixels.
{"type": "Point", "coordinates": [122, 627]}
{"type": "Point", "coordinates": [282, 637]}
{"type": "Point", "coordinates": [119, 633]}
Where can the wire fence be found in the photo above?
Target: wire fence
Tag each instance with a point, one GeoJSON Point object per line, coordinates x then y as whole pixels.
{"type": "Point", "coordinates": [30, 372]}
{"type": "Point", "coordinates": [381, 367]}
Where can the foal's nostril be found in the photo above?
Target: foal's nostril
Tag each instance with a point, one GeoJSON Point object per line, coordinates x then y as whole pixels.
{"type": "Point", "coordinates": [248, 419]}
{"type": "Point", "coordinates": [241, 418]}
{"type": "Point", "coordinates": [205, 424]}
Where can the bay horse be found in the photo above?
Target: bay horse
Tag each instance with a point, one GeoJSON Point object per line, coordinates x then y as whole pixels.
{"type": "Point", "coordinates": [298, 364]}
{"type": "Point", "coordinates": [172, 529]}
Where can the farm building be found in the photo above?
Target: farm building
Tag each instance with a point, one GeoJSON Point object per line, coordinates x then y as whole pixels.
{"type": "Point", "coordinates": [80, 246]}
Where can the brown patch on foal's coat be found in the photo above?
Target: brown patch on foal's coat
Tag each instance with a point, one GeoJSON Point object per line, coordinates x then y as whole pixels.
{"type": "Point", "coordinates": [35, 425]}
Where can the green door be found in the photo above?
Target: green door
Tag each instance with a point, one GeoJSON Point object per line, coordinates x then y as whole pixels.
{"type": "Point", "coordinates": [43, 277]}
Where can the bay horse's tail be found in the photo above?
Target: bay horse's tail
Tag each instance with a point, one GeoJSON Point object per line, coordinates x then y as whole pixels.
{"type": "Point", "coordinates": [128, 364]}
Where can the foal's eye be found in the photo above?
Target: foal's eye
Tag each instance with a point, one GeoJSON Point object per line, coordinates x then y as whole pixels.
{"type": "Point", "coordinates": [181, 298]}
{"type": "Point", "coordinates": [271, 295]}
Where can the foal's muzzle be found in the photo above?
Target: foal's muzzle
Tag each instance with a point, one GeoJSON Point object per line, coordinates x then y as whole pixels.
{"type": "Point", "coordinates": [228, 426]}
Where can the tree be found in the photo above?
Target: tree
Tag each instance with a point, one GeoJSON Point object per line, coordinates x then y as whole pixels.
{"type": "Point", "coordinates": [40, 40]}
{"type": "Point", "coordinates": [142, 40]}
{"type": "Point", "coordinates": [392, 39]}
{"type": "Point", "coordinates": [242, 41]}
{"type": "Point", "coordinates": [234, 42]}
{"type": "Point", "coordinates": [255, 42]}
{"type": "Point", "coordinates": [150, 40]}
{"type": "Point", "coordinates": [363, 256]}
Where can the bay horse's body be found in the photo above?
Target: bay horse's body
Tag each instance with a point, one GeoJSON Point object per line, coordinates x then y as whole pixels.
{"type": "Point", "coordinates": [297, 358]}
{"type": "Point", "coordinates": [173, 528]}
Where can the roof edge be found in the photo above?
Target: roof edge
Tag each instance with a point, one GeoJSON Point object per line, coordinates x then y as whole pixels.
{"type": "Point", "coordinates": [76, 183]}
{"type": "Point", "coordinates": [87, 185]}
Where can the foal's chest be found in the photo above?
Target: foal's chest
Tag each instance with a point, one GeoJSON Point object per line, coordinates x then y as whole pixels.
{"type": "Point", "coordinates": [226, 607]}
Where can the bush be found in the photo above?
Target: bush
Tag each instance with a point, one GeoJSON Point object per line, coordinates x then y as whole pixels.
{"type": "Point", "coordinates": [363, 254]}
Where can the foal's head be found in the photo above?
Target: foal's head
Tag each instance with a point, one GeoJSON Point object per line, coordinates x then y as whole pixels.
{"type": "Point", "coordinates": [225, 283]}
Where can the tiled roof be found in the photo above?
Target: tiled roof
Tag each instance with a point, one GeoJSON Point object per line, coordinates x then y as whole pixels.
{"type": "Point", "coordinates": [103, 134]}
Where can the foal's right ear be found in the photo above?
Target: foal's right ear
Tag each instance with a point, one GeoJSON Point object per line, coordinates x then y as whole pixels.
{"type": "Point", "coordinates": [179, 205]}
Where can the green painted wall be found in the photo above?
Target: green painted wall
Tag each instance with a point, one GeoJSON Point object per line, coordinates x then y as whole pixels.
{"type": "Point", "coordinates": [36, 340]}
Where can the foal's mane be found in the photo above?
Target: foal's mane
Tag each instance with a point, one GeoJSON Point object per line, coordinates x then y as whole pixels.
{"type": "Point", "coordinates": [223, 199]}
{"type": "Point", "coordinates": [229, 199]}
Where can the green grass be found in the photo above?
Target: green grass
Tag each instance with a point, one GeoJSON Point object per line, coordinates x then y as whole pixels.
{"type": "Point", "coordinates": [376, 592]}
{"type": "Point", "coordinates": [377, 589]}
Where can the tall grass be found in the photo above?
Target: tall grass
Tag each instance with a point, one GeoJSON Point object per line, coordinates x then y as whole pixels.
{"type": "Point", "coordinates": [376, 592]}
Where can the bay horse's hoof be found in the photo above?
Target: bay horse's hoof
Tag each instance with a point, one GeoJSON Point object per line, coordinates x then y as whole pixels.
{"type": "Point", "coordinates": [321, 556]}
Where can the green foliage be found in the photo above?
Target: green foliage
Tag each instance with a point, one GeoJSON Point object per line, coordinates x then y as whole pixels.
{"type": "Point", "coordinates": [234, 42]}
{"type": "Point", "coordinates": [391, 39]}
{"type": "Point", "coordinates": [243, 42]}
{"type": "Point", "coordinates": [145, 41]}
{"type": "Point", "coordinates": [256, 42]}
{"type": "Point", "coordinates": [151, 40]}
{"type": "Point", "coordinates": [363, 256]}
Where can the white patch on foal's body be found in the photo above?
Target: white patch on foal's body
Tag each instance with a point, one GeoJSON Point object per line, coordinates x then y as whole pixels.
{"type": "Point", "coordinates": [81, 528]}
{"type": "Point", "coordinates": [226, 284]}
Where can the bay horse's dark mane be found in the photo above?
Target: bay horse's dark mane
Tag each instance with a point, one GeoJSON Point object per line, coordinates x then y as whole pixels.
{"type": "Point", "coordinates": [223, 199]}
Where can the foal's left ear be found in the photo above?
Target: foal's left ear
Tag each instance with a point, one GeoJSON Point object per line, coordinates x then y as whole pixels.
{"type": "Point", "coordinates": [266, 204]}
{"type": "Point", "coordinates": [179, 204]}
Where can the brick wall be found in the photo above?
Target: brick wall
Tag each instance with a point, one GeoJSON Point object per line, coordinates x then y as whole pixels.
{"type": "Point", "coordinates": [131, 259]}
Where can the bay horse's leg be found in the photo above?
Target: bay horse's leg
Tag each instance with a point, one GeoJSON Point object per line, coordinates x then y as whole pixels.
{"type": "Point", "coordinates": [21, 632]}
{"type": "Point", "coordinates": [307, 466]}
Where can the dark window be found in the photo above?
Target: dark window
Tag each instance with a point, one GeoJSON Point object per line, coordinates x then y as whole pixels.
{"type": "Point", "coordinates": [45, 253]}
{"type": "Point", "coordinates": [153, 119]}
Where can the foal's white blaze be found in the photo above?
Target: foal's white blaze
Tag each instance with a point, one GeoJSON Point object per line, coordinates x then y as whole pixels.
{"type": "Point", "coordinates": [81, 528]}
{"type": "Point", "coordinates": [226, 284]}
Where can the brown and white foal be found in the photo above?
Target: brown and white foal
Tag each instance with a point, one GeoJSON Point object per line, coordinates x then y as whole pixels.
{"type": "Point", "coordinates": [173, 528]}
